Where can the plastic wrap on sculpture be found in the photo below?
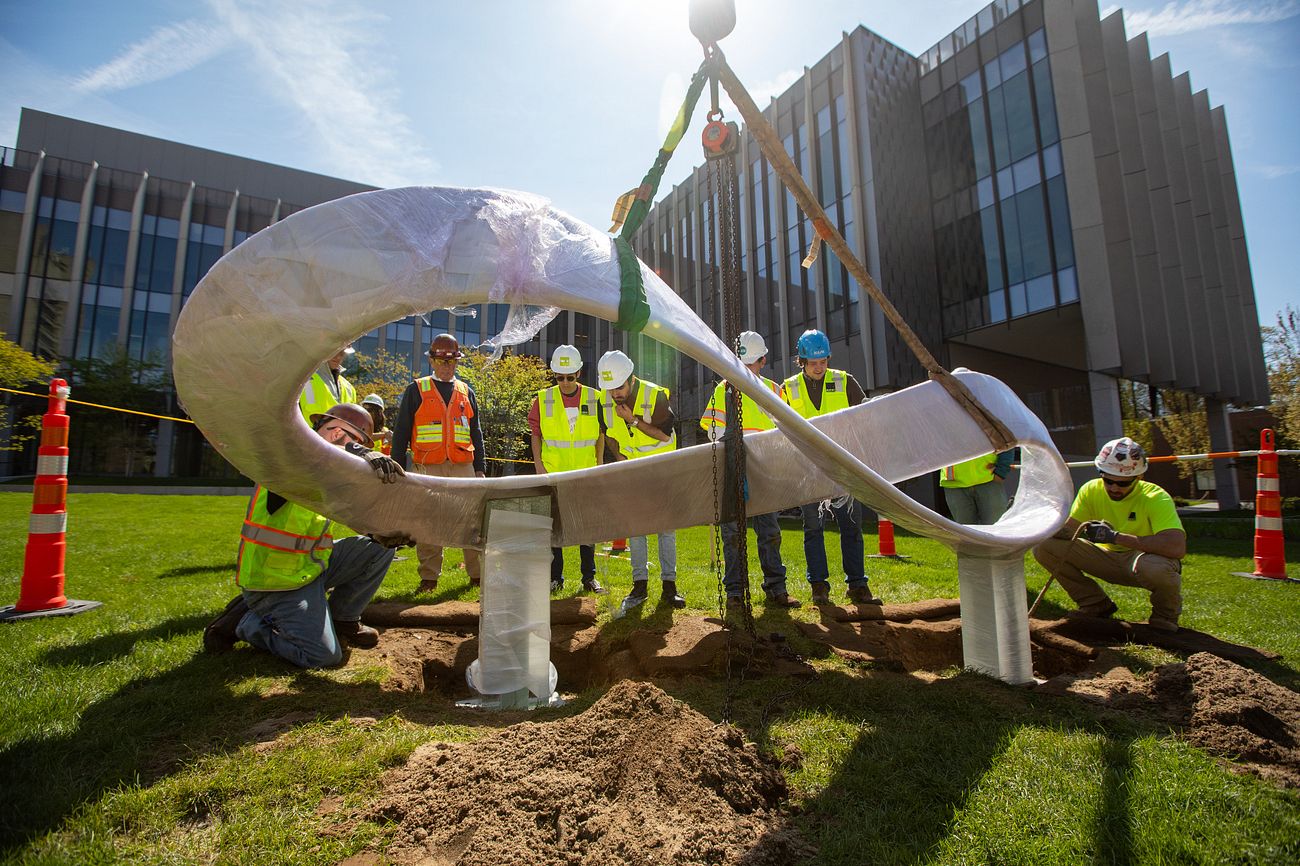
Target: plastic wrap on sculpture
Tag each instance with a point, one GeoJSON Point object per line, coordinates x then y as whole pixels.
{"type": "Point", "coordinates": [287, 297]}
{"type": "Point", "coordinates": [515, 628]}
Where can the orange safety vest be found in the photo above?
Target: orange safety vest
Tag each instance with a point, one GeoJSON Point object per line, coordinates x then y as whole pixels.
{"type": "Point", "coordinates": [442, 430]}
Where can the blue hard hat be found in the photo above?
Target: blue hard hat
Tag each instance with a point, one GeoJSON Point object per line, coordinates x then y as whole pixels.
{"type": "Point", "coordinates": [813, 345]}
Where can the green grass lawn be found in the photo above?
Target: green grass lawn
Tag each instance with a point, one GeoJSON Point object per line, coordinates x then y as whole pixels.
{"type": "Point", "coordinates": [122, 742]}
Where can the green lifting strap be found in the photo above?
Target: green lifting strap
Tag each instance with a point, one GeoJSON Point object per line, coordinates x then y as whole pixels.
{"type": "Point", "coordinates": [633, 311]}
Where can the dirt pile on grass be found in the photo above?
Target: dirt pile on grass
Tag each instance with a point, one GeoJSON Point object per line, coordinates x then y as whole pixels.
{"type": "Point", "coordinates": [1220, 706]}
{"type": "Point", "coordinates": [1242, 715]}
{"type": "Point", "coordinates": [638, 777]}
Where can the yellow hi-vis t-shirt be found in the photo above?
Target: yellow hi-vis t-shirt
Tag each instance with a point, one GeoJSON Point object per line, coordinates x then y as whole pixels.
{"type": "Point", "coordinates": [1146, 510]}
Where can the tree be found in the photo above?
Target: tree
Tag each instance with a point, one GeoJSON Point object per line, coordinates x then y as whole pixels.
{"type": "Point", "coordinates": [1184, 426]}
{"type": "Point", "coordinates": [381, 373]}
{"type": "Point", "coordinates": [21, 370]}
{"type": "Point", "coordinates": [1282, 354]}
{"type": "Point", "coordinates": [111, 441]}
{"type": "Point", "coordinates": [505, 390]}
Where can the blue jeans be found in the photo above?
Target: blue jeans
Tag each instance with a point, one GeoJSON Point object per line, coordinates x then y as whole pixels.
{"type": "Point", "coordinates": [298, 624]}
{"type": "Point", "coordinates": [849, 518]}
{"type": "Point", "coordinates": [639, 550]}
{"type": "Point", "coordinates": [768, 531]}
{"type": "Point", "coordinates": [980, 505]}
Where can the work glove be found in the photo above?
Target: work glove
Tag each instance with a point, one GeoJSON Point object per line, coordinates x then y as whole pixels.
{"type": "Point", "coordinates": [393, 541]}
{"type": "Point", "coordinates": [386, 469]}
{"type": "Point", "coordinates": [1099, 532]}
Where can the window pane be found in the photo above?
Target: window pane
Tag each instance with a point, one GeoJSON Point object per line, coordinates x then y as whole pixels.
{"type": "Point", "coordinates": [1040, 294]}
{"type": "Point", "coordinates": [1052, 161]}
{"type": "Point", "coordinates": [992, 249]}
{"type": "Point", "coordinates": [1020, 117]}
{"type": "Point", "coordinates": [1037, 46]}
{"type": "Point", "coordinates": [998, 129]}
{"type": "Point", "coordinates": [1060, 211]}
{"type": "Point", "coordinates": [1012, 61]}
{"type": "Point", "coordinates": [1045, 102]}
{"type": "Point", "coordinates": [1016, 294]}
{"type": "Point", "coordinates": [1011, 231]}
{"type": "Point", "coordinates": [1034, 248]}
{"type": "Point", "coordinates": [1069, 286]}
{"type": "Point", "coordinates": [970, 88]}
{"type": "Point", "coordinates": [979, 137]}
{"type": "Point", "coordinates": [1026, 172]}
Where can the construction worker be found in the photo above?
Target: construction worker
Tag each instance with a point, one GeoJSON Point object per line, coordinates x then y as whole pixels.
{"type": "Point", "coordinates": [568, 432]}
{"type": "Point", "coordinates": [327, 387]}
{"type": "Point", "coordinates": [639, 421]}
{"type": "Point", "coordinates": [302, 592]}
{"type": "Point", "coordinates": [973, 489]}
{"type": "Point", "coordinates": [374, 404]}
{"type": "Point", "coordinates": [751, 348]}
{"type": "Point", "coordinates": [438, 421]}
{"type": "Point", "coordinates": [818, 390]}
{"type": "Point", "coordinates": [1122, 530]}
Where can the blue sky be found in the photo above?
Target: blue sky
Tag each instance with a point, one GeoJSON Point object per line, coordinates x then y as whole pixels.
{"type": "Point", "coordinates": [565, 98]}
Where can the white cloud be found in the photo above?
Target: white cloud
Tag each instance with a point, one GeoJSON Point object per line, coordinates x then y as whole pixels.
{"type": "Point", "coordinates": [1189, 16]}
{"type": "Point", "coordinates": [165, 52]}
{"type": "Point", "coordinates": [318, 56]}
{"type": "Point", "coordinates": [1273, 172]}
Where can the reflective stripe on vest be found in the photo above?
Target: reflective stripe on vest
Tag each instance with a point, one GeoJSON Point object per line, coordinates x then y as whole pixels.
{"type": "Point", "coordinates": [632, 443]}
{"type": "Point", "coordinates": [442, 431]}
{"type": "Point", "coordinates": [281, 551]}
{"type": "Point", "coordinates": [755, 420]}
{"type": "Point", "coordinates": [835, 394]}
{"type": "Point", "coordinates": [564, 449]}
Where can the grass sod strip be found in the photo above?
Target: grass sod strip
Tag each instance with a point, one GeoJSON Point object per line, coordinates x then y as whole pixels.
{"type": "Point", "coordinates": [122, 742]}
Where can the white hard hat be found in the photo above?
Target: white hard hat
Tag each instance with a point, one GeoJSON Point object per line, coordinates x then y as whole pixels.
{"type": "Point", "coordinates": [566, 359]}
{"type": "Point", "coordinates": [1122, 458]}
{"type": "Point", "coordinates": [613, 369]}
{"type": "Point", "coordinates": [750, 346]}
{"type": "Point", "coordinates": [374, 400]}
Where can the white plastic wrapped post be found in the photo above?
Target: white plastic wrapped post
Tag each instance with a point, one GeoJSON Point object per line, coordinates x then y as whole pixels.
{"type": "Point", "coordinates": [514, 654]}
{"type": "Point", "coordinates": [994, 617]}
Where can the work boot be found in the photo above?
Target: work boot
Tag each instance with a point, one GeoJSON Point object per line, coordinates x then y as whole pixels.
{"type": "Point", "coordinates": [428, 585]}
{"type": "Point", "coordinates": [821, 592]}
{"type": "Point", "coordinates": [593, 586]}
{"type": "Point", "coordinates": [862, 595]}
{"type": "Point", "coordinates": [219, 636]}
{"type": "Point", "coordinates": [1101, 610]}
{"type": "Point", "coordinates": [355, 634]}
{"type": "Point", "coordinates": [1162, 624]}
{"type": "Point", "coordinates": [781, 599]}
{"type": "Point", "coordinates": [640, 592]}
{"type": "Point", "coordinates": [671, 596]}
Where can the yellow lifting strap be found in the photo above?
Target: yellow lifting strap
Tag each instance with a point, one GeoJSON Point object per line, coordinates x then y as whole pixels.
{"type": "Point", "coordinates": [784, 167]}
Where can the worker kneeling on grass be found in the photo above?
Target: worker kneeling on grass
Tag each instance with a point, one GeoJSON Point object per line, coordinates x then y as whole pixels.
{"type": "Point", "coordinates": [302, 592]}
{"type": "Point", "coordinates": [1122, 530]}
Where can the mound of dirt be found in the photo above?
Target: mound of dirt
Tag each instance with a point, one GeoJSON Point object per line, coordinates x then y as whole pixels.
{"type": "Point", "coordinates": [639, 777]}
{"type": "Point", "coordinates": [1241, 715]}
{"type": "Point", "coordinates": [1224, 708]}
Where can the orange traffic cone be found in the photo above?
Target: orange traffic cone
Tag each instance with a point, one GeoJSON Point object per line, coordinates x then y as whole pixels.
{"type": "Point", "coordinates": [41, 590]}
{"type": "Point", "coordinates": [885, 529]}
{"type": "Point", "coordinates": [1270, 544]}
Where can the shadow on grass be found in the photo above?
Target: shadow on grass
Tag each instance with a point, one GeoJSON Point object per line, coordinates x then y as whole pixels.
{"type": "Point", "coordinates": [153, 726]}
{"type": "Point", "coordinates": [108, 647]}
{"type": "Point", "coordinates": [919, 752]}
{"type": "Point", "coordinates": [190, 570]}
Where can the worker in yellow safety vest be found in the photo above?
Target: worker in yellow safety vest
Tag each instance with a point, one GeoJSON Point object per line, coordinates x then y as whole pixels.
{"type": "Point", "coordinates": [438, 423]}
{"type": "Point", "coordinates": [973, 488]}
{"type": "Point", "coordinates": [567, 432]}
{"type": "Point", "coordinates": [751, 348]}
{"type": "Point", "coordinates": [818, 390]}
{"type": "Point", "coordinates": [302, 591]}
{"type": "Point", "coordinates": [327, 387]}
{"type": "Point", "coordinates": [639, 421]}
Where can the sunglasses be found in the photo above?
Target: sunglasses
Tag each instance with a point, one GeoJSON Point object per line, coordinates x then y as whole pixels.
{"type": "Point", "coordinates": [562, 377]}
{"type": "Point", "coordinates": [1118, 482]}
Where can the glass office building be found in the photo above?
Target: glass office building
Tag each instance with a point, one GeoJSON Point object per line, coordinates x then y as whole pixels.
{"type": "Point", "coordinates": [1040, 198]}
{"type": "Point", "coordinates": [105, 233]}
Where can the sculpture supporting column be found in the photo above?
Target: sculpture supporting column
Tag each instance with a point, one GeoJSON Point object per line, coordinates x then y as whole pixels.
{"type": "Point", "coordinates": [513, 669]}
{"type": "Point", "coordinates": [995, 617]}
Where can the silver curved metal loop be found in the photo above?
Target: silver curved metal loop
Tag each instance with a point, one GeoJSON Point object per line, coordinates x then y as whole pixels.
{"type": "Point", "coordinates": [263, 317]}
